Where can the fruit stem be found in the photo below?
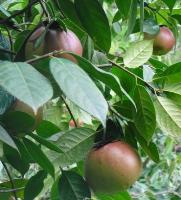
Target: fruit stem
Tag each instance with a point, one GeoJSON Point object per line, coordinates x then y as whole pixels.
{"type": "Point", "coordinates": [70, 112]}
{"type": "Point", "coordinates": [11, 180]}
{"type": "Point", "coordinates": [152, 89]}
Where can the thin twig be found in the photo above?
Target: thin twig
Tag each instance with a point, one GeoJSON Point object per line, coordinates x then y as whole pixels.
{"type": "Point", "coordinates": [70, 112]}
{"type": "Point", "coordinates": [44, 9]}
{"type": "Point", "coordinates": [11, 190]}
{"type": "Point", "coordinates": [11, 180]}
{"type": "Point", "coordinates": [152, 89]}
{"type": "Point", "coordinates": [51, 54]}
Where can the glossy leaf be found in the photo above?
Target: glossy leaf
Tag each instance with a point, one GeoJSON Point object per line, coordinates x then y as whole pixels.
{"type": "Point", "coordinates": [25, 83]}
{"type": "Point", "coordinates": [169, 116]}
{"type": "Point", "coordinates": [124, 7]}
{"type": "Point", "coordinates": [138, 53]}
{"type": "Point", "coordinates": [170, 3]}
{"type": "Point", "coordinates": [73, 80]}
{"type": "Point", "coordinates": [34, 185]}
{"type": "Point", "coordinates": [5, 137]}
{"type": "Point", "coordinates": [38, 156]}
{"type": "Point", "coordinates": [145, 118]}
{"type": "Point", "coordinates": [75, 144]}
{"type": "Point", "coordinates": [73, 187]}
{"type": "Point", "coordinates": [119, 196]}
{"type": "Point", "coordinates": [91, 14]}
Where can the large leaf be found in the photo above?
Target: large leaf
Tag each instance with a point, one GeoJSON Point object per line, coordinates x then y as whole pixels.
{"type": "Point", "coordinates": [75, 144]}
{"type": "Point", "coordinates": [138, 53]}
{"type": "Point", "coordinates": [14, 158]}
{"type": "Point", "coordinates": [170, 3]}
{"type": "Point", "coordinates": [38, 156]}
{"type": "Point", "coordinates": [107, 78]}
{"type": "Point", "coordinates": [94, 20]}
{"type": "Point", "coordinates": [169, 115]}
{"type": "Point", "coordinates": [132, 17]}
{"type": "Point", "coordinates": [25, 83]}
{"type": "Point", "coordinates": [34, 185]}
{"type": "Point", "coordinates": [4, 137]}
{"type": "Point", "coordinates": [73, 187]}
{"type": "Point", "coordinates": [5, 100]}
{"type": "Point", "coordinates": [145, 118]}
{"type": "Point", "coordinates": [79, 88]}
{"type": "Point", "coordinates": [124, 7]}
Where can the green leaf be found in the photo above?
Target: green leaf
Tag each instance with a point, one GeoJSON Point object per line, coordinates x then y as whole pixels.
{"type": "Point", "coordinates": [168, 114]}
{"type": "Point", "coordinates": [46, 143]}
{"type": "Point", "coordinates": [124, 7]}
{"type": "Point", "coordinates": [25, 83]}
{"type": "Point", "coordinates": [173, 88]}
{"type": "Point", "coordinates": [138, 53]}
{"type": "Point", "coordinates": [73, 187]}
{"type": "Point", "coordinates": [5, 100]}
{"type": "Point", "coordinates": [14, 158]}
{"type": "Point", "coordinates": [150, 149]}
{"type": "Point", "coordinates": [107, 78]}
{"type": "Point", "coordinates": [68, 9]}
{"type": "Point", "coordinates": [34, 185]}
{"type": "Point", "coordinates": [132, 17]}
{"type": "Point", "coordinates": [145, 118]}
{"type": "Point", "coordinates": [170, 3]}
{"type": "Point", "coordinates": [39, 157]}
{"type": "Point", "coordinates": [54, 190]}
{"type": "Point", "coordinates": [119, 196]}
{"type": "Point", "coordinates": [47, 129]}
{"type": "Point", "coordinates": [91, 15]}
{"type": "Point", "coordinates": [158, 65]}
{"type": "Point", "coordinates": [75, 144]}
{"type": "Point", "coordinates": [79, 88]}
{"type": "Point", "coordinates": [4, 137]}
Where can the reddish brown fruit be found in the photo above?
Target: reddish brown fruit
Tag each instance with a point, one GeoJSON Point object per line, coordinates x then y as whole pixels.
{"type": "Point", "coordinates": [164, 41]}
{"type": "Point", "coordinates": [79, 123]}
{"type": "Point", "coordinates": [22, 107]}
{"type": "Point", "coordinates": [112, 168]}
{"type": "Point", "coordinates": [55, 39]}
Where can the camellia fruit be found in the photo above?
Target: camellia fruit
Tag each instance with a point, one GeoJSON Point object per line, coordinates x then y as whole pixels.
{"type": "Point", "coordinates": [55, 39]}
{"type": "Point", "coordinates": [112, 168]}
{"type": "Point", "coordinates": [79, 123]}
{"type": "Point", "coordinates": [164, 41]}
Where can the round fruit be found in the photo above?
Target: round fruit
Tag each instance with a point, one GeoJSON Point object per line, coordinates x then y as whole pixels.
{"type": "Point", "coordinates": [112, 168]}
{"type": "Point", "coordinates": [55, 39]}
{"type": "Point", "coordinates": [164, 41]}
{"type": "Point", "coordinates": [79, 123]}
{"type": "Point", "coordinates": [22, 107]}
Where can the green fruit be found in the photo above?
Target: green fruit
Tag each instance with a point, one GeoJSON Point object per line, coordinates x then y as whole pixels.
{"type": "Point", "coordinates": [112, 168]}
{"type": "Point", "coordinates": [164, 41]}
{"type": "Point", "coordinates": [55, 39]}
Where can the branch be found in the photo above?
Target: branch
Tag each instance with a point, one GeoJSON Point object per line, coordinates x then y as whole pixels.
{"type": "Point", "coordinates": [11, 190]}
{"type": "Point", "coordinates": [70, 112]}
{"type": "Point", "coordinates": [11, 180]}
{"type": "Point", "coordinates": [4, 21]}
{"type": "Point", "coordinates": [152, 89]}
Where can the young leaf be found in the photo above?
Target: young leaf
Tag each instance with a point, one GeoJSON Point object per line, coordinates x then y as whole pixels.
{"type": "Point", "coordinates": [4, 137]}
{"type": "Point", "coordinates": [145, 118]}
{"type": "Point", "coordinates": [25, 83]}
{"type": "Point", "coordinates": [39, 157]}
{"type": "Point", "coordinates": [79, 88]}
{"type": "Point", "coordinates": [34, 185]}
{"type": "Point", "coordinates": [119, 196]}
{"type": "Point", "coordinates": [138, 53]}
{"type": "Point", "coordinates": [73, 187]}
{"type": "Point", "coordinates": [94, 20]}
